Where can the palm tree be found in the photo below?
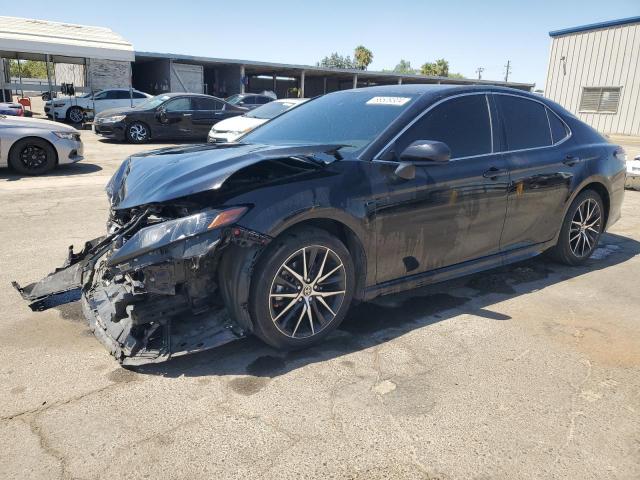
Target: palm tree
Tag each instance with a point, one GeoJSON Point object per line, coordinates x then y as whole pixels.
{"type": "Point", "coordinates": [362, 57]}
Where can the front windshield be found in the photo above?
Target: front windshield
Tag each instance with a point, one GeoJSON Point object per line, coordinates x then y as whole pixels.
{"type": "Point", "coordinates": [270, 110]}
{"type": "Point", "coordinates": [352, 118]}
{"type": "Point", "coordinates": [234, 99]}
{"type": "Point", "coordinates": [152, 102]}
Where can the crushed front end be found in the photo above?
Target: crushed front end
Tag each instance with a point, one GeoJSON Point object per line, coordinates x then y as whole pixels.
{"type": "Point", "coordinates": [150, 288]}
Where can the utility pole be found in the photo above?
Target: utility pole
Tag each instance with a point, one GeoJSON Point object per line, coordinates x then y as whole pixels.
{"type": "Point", "coordinates": [508, 71]}
{"type": "Point", "coordinates": [479, 71]}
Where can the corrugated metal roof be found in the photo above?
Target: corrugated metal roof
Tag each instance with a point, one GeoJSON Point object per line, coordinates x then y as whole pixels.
{"type": "Point", "coordinates": [316, 70]}
{"type": "Point", "coordinates": [595, 26]}
{"type": "Point", "coordinates": [26, 35]}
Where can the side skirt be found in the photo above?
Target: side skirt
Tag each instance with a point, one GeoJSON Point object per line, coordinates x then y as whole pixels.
{"type": "Point", "coordinates": [456, 271]}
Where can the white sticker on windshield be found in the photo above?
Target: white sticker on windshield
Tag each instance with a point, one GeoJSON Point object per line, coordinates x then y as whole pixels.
{"type": "Point", "coordinates": [397, 101]}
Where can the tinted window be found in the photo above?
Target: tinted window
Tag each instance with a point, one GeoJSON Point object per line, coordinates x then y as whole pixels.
{"type": "Point", "coordinates": [120, 95]}
{"type": "Point", "coordinates": [262, 100]}
{"type": "Point", "coordinates": [179, 104]}
{"type": "Point", "coordinates": [249, 100]}
{"type": "Point", "coordinates": [558, 129]}
{"type": "Point", "coordinates": [462, 123]}
{"type": "Point", "coordinates": [100, 96]}
{"type": "Point", "coordinates": [524, 121]}
{"type": "Point", "coordinates": [203, 103]}
{"type": "Point", "coordinates": [138, 95]}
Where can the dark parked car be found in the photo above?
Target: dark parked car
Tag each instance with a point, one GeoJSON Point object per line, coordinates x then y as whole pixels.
{"type": "Point", "coordinates": [168, 116]}
{"type": "Point", "coordinates": [249, 101]}
{"type": "Point", "coordinates": [351, 195]}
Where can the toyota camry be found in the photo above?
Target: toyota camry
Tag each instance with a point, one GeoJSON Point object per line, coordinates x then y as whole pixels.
{"type": "Point", "coordinates": [352, 195]}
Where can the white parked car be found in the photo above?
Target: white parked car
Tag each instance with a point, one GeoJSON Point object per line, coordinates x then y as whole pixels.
{"type": "Point", "coordinates": [231, 129]}
{"type": "Point", "coordinates": [633, 174]}
{"type": "Point", "coordinates": [72, 108]}
{"type": "Point", "coordinates": [33, 146]}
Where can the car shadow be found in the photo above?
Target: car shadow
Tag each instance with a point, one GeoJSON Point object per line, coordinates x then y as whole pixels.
{"type": "Point", "coordinates": [81, 168]}
{"type": "Point", "coordinates": [373, 323]}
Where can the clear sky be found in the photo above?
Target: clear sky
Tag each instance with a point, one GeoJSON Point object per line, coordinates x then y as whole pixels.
{"type": "Point", "coordinates": [469, 34]}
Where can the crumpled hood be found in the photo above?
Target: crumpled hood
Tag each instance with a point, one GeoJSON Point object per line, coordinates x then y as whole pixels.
{"type": "Point", "coordinates": [175, 172]}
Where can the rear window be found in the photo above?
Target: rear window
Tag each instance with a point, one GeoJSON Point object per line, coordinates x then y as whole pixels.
{"type": "Point", "coordinates": [558, 128]}
{"type": "Point", "coordinates": [524, 122]}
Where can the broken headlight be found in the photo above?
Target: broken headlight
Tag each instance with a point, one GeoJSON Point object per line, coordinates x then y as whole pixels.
{"type": "Point", "coordinates": [171, 231]}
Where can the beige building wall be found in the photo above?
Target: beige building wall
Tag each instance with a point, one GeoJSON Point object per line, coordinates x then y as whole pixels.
{"type": "Point", "coordinates": [606, 57]}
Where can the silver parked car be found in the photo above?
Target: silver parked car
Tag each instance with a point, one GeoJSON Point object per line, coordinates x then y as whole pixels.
{"type": "Point", "coordinates": [32, 146]}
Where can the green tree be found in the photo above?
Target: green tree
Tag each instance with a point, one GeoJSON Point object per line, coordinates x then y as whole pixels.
{"type": "Point", "coordinates": [336, 61]}
{"type": "Point", "coordinates": [362, 57]}
{"type": "Point", "coordinates": [404, 66]}
{"type": "Point", "coordinates": [28, 69]}
{"type": "Point", "coordinates": [456, 75]}
{"type": "Point", "coordinates": [439, 68]}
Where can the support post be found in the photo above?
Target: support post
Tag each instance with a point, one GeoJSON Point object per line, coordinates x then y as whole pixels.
{"type": "Point", "coordinates": [241, 78]}
{"type": "Point", "coordinates": [399, 81]}
{"type": "Point", "coordinates": [301, 93]}
{"type": "Point", "coordinates": [20, 76]}
{"type": "Point", "coordinates": [355, 80]}
{"type": "Point", "coordinates": [275, 84]}
{"type": "Point", "coordinates": [53, 110]}
{"type": "Point", "coordinates": [324, 86]}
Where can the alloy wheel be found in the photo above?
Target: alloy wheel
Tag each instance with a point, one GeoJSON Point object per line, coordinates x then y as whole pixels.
{"type": "Point", "coordinates": [33, 157]}
{"type": "Point", "coordinates": [307, 292]}
{"type": "Point", "coordinates": [586, 226]}
{"type": "Point", "coordinates": [138, 132]}
{"type": "Point", "coordinates": [75, 115]}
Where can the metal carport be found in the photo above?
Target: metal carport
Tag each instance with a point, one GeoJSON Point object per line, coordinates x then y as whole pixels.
{"type": "Point", "coordinates": [55, 42]}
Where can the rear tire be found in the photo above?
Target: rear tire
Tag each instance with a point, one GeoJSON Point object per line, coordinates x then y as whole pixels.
{"type": "Point", "coordinates": [581, 229]}
{"type": "Point", "coordinates": [75, 115]}
{"type": "Point", "coordinates": [310, 308]}
{"type": "Point", "coordinates": [32, 156]}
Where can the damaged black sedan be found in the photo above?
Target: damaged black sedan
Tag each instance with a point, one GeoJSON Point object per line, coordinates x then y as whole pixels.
{"type": "Point", "coordinates": [352, 195]}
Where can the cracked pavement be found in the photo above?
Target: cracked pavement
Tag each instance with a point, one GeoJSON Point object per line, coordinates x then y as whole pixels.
{"type": "Point", "coordinates": [529, 371]}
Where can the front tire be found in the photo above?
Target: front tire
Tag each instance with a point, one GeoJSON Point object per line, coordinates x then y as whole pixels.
{"type": "Point", "coordinates": [581, 229]}
{"type": "Point", "coordinates": [137, 132]}
{"type": "Point", "coordinates": [32, 156]}
{"type": "Point", "coordinates": [301, 289]}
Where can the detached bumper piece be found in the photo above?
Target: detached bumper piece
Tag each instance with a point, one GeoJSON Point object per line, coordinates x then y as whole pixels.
{"type": "Point", "coordinates": [138, 328]}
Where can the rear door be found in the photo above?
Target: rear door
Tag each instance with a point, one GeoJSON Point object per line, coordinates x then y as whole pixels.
{"type": "Point", "coordinates": [206, 112]}
{"type": "Point", "coordinates": [540, 172]}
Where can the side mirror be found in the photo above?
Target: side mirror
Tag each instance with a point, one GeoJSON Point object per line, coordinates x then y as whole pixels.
{"type": "Point", "coordinates": [426, 151]}
{"type": "Point", "coordinates": [161, 114]}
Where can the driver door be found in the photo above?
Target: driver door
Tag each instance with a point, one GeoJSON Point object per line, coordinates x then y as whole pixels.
{"type": "Point", "coordinates": [450, 212]}
{"type": "Point", "coordinates": [174, 119]}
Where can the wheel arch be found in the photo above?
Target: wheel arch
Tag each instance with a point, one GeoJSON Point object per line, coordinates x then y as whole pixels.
{"type": "Point", "coordinates": [599, 186]}
{"type": "Point", "coordinates": [15, 144]}
{"type": "Point", "coordinates": [350, 240]}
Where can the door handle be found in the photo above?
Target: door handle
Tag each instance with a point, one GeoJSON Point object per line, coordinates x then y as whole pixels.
{"type": "Point", "coordinates": [495, 172]}
{"type": "Point", "coordinates": [571, 160]}
{"type": "Point", "coordinates": [188, 114]}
